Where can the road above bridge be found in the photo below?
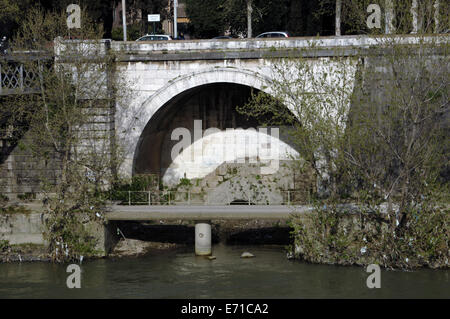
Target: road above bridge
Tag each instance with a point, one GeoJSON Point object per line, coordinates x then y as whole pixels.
{"type": "Point", "coordinates": [141, 213]}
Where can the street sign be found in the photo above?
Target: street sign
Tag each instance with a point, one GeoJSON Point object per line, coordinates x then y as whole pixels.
{"type": "Point", "coordinates": [154, 18]}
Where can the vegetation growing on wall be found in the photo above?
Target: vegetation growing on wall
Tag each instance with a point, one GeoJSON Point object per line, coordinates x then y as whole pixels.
{"type": "Point", "coordinates": [334, 234]}
{"type": "Point", "coordinates": [4, 245]}
{"type": "Point", "coordinates": [380, 140]}
{"type": "Point", "coordinates": [61, 126]}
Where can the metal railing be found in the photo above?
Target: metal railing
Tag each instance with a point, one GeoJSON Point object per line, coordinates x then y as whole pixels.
{"type": "Point", "coordinates": [168, 197]}
{"type": "Point", "coordinates": [16, 78]}
{"type": "Point", "coordinates": [184, 198]}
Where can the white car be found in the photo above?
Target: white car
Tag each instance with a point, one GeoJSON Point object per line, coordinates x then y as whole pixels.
{"type": "Point", "coordinates": [277, 34]}
{"type": "Point", "coordinates": [155, 37]}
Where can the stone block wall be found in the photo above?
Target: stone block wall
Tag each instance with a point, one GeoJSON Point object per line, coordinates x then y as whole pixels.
{"type": "Point", "coordinates": [21, 228]}
{"type": "Point", "coordinates": [22, 175]}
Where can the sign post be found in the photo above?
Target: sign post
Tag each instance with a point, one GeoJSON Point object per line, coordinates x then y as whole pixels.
{"type": "Point", "coordinates": [154, 18]}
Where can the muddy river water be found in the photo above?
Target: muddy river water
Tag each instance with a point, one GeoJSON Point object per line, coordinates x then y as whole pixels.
{"type": "Point", "coordinates": [180, 274]}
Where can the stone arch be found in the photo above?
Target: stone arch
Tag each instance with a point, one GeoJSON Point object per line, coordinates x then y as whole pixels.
{"type": "Point", "coordinates": [176, 87]}
{"type": "Point", "coordinates": [215, 75]}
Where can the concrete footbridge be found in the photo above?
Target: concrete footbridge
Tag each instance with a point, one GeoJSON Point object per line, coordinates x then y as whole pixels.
{"type": "Point", "coordinates": [205, 212]}
{"type": "Point", "coordinates": [202, 215]}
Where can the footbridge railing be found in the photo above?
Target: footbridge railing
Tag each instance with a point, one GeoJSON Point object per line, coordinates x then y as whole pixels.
{"type": "Point", "coordinates": [190, 198]}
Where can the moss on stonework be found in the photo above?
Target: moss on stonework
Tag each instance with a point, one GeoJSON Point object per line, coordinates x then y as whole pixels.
{"type": "Point", "coordinates": [9, 210]}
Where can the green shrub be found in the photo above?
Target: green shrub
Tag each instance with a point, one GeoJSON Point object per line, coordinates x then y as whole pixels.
{"type": "Point", "coordinates": [137, 186]}
{"type": "Point", "coordinates": [134, 32]}
{"type": "Point", "coordinates": [184, 182]}
{"type": "Point", "coordinates": [4, 245]}
{"type": "Point", "coordinates": [26, 196]}
{"type": "Point", "coordinates": [334, 236]}
{"type": "Point", "coordinates": [3, 200]}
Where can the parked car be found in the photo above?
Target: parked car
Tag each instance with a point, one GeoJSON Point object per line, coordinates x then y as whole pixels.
{"type": "Point", "coordinates": [276, 34]}
{"type": "Point", "coordinates": [155, 37]}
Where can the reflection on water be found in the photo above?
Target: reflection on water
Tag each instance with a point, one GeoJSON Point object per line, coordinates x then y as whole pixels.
{"type": "Point", "coordinates": [182, 275]}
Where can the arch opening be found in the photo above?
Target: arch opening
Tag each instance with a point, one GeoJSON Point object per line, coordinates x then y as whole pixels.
{"type": "Point", "coordinates": [205, 118]}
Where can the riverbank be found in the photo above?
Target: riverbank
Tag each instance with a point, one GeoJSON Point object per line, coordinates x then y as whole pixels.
{"type": "Point", "coordinates": [124, 248]}
{"type": "Point", "coordinates": [135, 239]}
{"type": "Point", "coordinates": [333, 237]}
{"type": "Point", "coordinates": [23, 253]}
{"type": "Point", "coordinates": [336, 236]}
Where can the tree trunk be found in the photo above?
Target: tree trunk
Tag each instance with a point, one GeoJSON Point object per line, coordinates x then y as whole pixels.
{"type": "Point", "coordinates": [338, 17]}
{"type": "Point", "coordinates": [249, 18]}
{"type": "Point", "coordinates": [415, 16]}
{"type": "Point", "coordinates": [436, 16]}
{"type": "Point", "coordinates": [390, 15]}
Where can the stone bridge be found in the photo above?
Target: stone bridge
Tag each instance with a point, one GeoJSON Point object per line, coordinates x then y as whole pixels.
{"type": "Point", "coordinates": [176, 83]}
{"type": "Point", "coordinates": [191, 86]}
{"type": "Point", "coordinates": [198, 84]}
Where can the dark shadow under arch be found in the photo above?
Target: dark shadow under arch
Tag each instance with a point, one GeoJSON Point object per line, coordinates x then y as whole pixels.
{"type": "Point", "coordinates": [215, 104]}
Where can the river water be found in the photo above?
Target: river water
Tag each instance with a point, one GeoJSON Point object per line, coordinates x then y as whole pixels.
{"type": "Point", "coordinates": [180, 274]}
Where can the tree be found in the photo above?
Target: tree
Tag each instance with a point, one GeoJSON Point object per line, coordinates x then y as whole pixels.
{"type": "Point", "coordinates": [100, 11]}
{"type": "Point", "coordinates": [11, 14]}
{"type": "Point", "coordinates": [397, 144]}
{"type": "Point", "coordinates": [74, 84]}
{"type": "Point", "coordinates": [138, 11]}
{"type": "Point", "coordinates": [298, 17]}
{"type": "Point", "coordinates": [338, 17]}
{"type": "Point", "coordinates": [408, 99]}
{"type": "Point", "coordinates": [206, 17]}
{"type": "Point", "coordinates": [381, 138]}
{"type": "Point", "coordinates": [354, 16]}
{"type": "Point", "coordinates": [316, 99]}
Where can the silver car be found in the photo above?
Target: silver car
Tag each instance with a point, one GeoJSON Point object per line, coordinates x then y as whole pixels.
{"type": "Point", "coordinates": [155, 37]}
{"type": "Point", "coordinates": [276, 34]}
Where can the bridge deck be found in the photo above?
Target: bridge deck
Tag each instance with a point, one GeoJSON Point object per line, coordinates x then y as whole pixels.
{"type": "Point", "coordinates": [204, 212]}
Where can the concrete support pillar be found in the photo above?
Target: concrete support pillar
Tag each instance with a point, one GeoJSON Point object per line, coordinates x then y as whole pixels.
{"type": "Point", "coordinates": [203, 238]}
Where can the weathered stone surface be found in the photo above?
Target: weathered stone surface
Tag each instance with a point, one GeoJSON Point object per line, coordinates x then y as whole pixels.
{"type": "Point", "coordinates": [19, 228]}
{"type": "Point", "coordinates": [162, 73]}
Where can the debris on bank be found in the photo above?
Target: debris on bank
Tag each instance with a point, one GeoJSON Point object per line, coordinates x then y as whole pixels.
{"type": "Point", "coordinates": [134, 247]}
{"type": "Point", "coordinates": [24, 253]}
